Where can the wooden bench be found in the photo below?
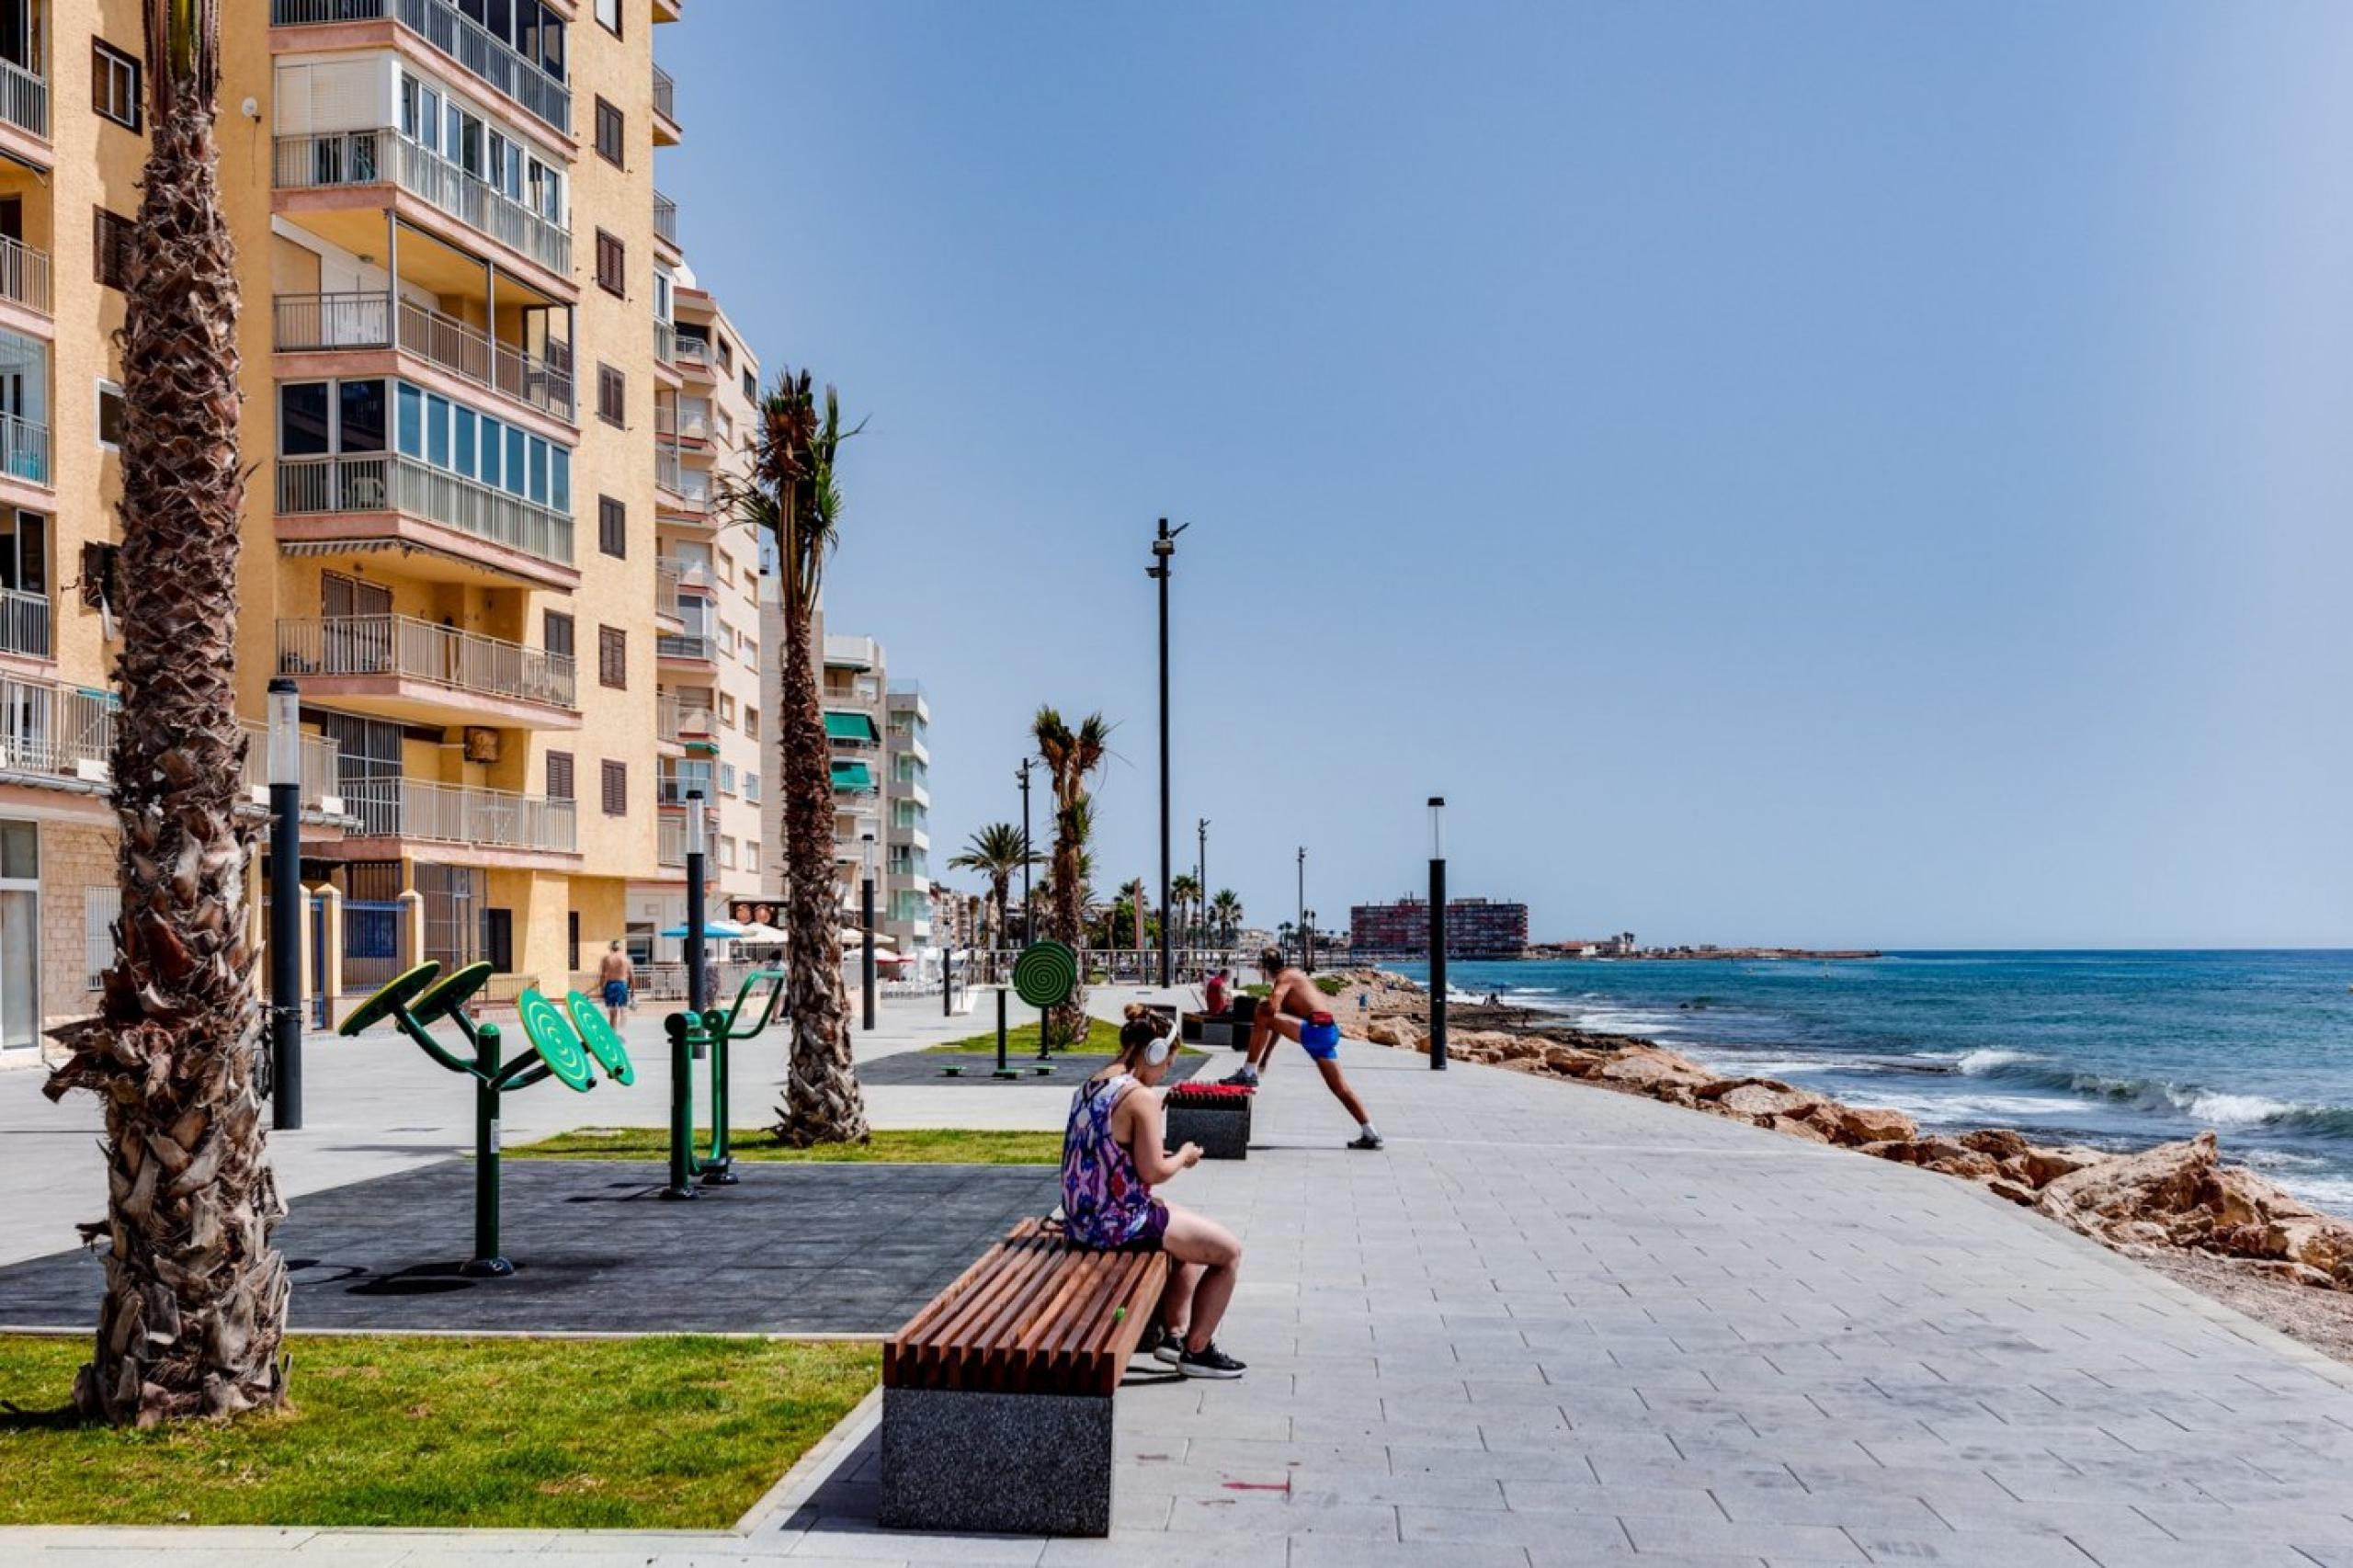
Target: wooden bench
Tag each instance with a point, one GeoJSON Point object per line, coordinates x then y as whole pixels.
{"type": "Point", "coordinates": [996, 1397]}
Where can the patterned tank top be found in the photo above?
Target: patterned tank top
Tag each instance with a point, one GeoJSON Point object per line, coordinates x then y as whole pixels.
{"type": "Point", "coordinates": [1106, 1202]}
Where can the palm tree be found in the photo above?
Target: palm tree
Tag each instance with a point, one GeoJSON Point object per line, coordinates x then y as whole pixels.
{"type": "Point", "coordinates": [1071, 758]}
{"type": "Point", "coordinates": [1225, 911]}
{"type": "Point", "coordinates": [194, 1303]}
{"type": "Point", "coordinates": [792, 495]}
{"type": "Point", "coordinates": [997, 852]}
{"type": "Point", "coordinates": [1184, 894]}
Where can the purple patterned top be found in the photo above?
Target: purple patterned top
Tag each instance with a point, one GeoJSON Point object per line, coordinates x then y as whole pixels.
{"type": "Point", "coordinates": [1106, 1202]}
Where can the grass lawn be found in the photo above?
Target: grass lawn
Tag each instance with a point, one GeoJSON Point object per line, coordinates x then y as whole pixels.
{"type": "Point", "coordinates": [672, 1432]}
{"type": "Point", "coordinates": [753, 1145]}
{"type": "Point", "coordinates": [1022, 1041]}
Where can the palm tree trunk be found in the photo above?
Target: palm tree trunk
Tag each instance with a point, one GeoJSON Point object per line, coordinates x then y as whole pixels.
{"type": "Point", "coordinates": [823, 1103]}
{"type": "Point", "coordinates": [194, 1303]}
{"type": "Point", "coordinates": [1071, 1020]}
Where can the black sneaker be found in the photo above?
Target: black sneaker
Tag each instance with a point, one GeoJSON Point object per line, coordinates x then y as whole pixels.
{"type": "Point", "coordinates": [1365, 1140]}
{"type": "Point", "coordinates": [1209, 1362]}
{"type": "Point", "coordinates": [1244, 1076]}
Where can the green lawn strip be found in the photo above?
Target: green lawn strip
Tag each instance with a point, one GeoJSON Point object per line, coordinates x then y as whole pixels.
{"type": "Point", "coordinates": [757, 1145]}
{"type": "Point", "coordinates": [1022, 1041]}
{"type": "Point", "coordinates": [665, 1432]}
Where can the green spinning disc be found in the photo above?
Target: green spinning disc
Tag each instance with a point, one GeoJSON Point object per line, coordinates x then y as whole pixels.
{"type": "Point", "coordinates": [598, 1036]}
{"type": "Point", "coordinates": [1045, 974]}
{"type": "Point", "coordinates": [554, 1039]}
{"type": "Point", "coordinates": [390, 998]}
{"type": "Point", "coordinates": [449, 994]}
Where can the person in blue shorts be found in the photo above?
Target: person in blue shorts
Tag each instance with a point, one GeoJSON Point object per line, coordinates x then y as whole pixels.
{"type": "Point", "coordinates": [614, 975]}
{"type": "Point", "coordinates": [1294, 1009]}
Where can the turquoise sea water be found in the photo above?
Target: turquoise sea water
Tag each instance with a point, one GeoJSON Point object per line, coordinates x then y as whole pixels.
{"type": "Point", "coordinates": [2115, 1049]}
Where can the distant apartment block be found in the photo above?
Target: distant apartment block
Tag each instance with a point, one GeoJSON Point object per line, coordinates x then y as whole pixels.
{"type": "Point", "coordinates": [1475, 928]}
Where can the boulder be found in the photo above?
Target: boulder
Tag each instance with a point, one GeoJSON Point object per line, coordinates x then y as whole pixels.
{"type": "Point", "coordinates": [1999, 1141]}
{"type": "Point", "coordinates": [2017, 1192]}
{"type": "Point", "coordinates": [2040, 1164]}
{"type": "Point", "coordinates": [1939, 1155]}
{"type": "Point", "coordinates": [1872, 1124]}
{"type": "Point", "coordinates": [1796, 1127]}
{"type": "Point", "coordinates": [1646, 1068]}
{"type": "Point", "coordinates": [2169, 1189]}
{"type": "Point", "coordinates": [1766, 1100]}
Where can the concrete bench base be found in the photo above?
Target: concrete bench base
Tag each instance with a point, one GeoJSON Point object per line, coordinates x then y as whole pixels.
{"type": "Point", "coordinates": [1222, 1130]}
{"type": "Point", "coordinates": [1000, 1463]}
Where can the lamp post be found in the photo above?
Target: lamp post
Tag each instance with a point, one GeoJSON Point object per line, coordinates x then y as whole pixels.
{"type": "Point", "coordinates": [1438, 933]}
{"type": "Point", "coordinates": [1029, 909]}
{"type": "Point", "coordinates": [285, 904]}
{"type": "Point", "coordinates": [1164, 556]}
{"type": "Point", "coordinates": [1201, 880]}
{"type": "Point", "coordinates": [866, 915]}
{"type": "Point", "coordinates": [697, 901]}
{"type": "Point", "coordinates": [1303, 888]}
{"type": "Point", "coordinates": [1307, 941]}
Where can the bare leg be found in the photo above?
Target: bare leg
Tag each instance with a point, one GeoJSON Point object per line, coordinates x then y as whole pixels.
{"type": "Point", "coordinates": [1197, 1239]}
{"type": "Point", "coordinates": [1177, 1301]}
{"type": "Point", "coordinates": [1262, 1039]}
{"type": "Point", "coordinates": [1338, 1084]}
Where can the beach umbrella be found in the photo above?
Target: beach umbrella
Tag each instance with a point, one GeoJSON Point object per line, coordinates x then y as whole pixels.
{"type": "Point", "coordinates": [755, 932]}
{"type": "Point", "coordinates": [712, 931]}
{"type": "Point", "coordinates": [854, 937]}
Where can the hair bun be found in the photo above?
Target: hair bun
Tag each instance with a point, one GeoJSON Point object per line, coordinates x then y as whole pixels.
{"type": "Point", "coordinates": [1136, 1010]}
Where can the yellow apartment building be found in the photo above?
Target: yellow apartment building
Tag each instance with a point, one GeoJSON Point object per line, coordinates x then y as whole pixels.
{"type": "Point", "coordinates": [464, 376]}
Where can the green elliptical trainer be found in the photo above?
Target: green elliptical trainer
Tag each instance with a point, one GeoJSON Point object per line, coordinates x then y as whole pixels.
{"type": "Point", "coordinates": [691, 1036]}
{"type": "Point", "coordinates": [415, 999]}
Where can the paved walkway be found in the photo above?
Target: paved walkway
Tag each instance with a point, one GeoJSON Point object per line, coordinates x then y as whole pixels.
{"type": "Point", "coordinates": [1552, 1325]}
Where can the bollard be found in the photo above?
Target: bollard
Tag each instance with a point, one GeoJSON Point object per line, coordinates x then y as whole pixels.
{"type": "Point", "coordinates": [684, 1047]}
{"type": "Point", "coordinates": [487, 1263]}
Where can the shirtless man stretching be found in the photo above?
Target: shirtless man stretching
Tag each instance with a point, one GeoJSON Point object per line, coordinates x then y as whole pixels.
{"type": "Point", "coordinates": [1294, 1009]}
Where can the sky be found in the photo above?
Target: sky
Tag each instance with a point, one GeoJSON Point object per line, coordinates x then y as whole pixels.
{"type": "Point", "coordinates": [1820, 475]}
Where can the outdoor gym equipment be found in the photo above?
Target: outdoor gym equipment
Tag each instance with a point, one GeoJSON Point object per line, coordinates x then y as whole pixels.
{"type": "Point", "coordinates": [692, 1035]}
{"type": "Point", "coordinates": [1044, 975]}
{"type": "Point", "coordinates": [417, 999]}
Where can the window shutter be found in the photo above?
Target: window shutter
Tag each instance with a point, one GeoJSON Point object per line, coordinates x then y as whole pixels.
{"type": "Point", "coordinates": [615, 781]}
{"type": "Point", "coordinates": [558, 776]}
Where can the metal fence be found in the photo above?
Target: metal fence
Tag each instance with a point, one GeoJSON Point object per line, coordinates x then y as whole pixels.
{"type": "Point", "coordinates": [376, 481]}
{"type": "Point", "coordinates": [453, 813]}
{"type": "Point", "coordinates": [419, 649]}
{"type": "Point", "coordinates": [24, 274]}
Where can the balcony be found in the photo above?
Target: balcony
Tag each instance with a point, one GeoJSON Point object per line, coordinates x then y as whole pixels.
{"type": "Point", "coordinates": [401, 667]}
{"type": "Point", "coordinates": [689, 647]}
{"type": "Point", "coordinates": [24, 450]}
{"type": "Point", "coordinates": [693, 354]}
{"type": "Point", "coordinates": [337, 160]}
{"type": "Point", "coordinates": [314, 323]}
{"type": "Point", "coordinates": [24, 100]}
{"type": "Point", "coordinates": [24, 275]}
{"type": "Point", "coordinates": [666, 591]}
{"type": "Point", "coordinates": [375, 482]}
{"type": "Point", "coordinates": [461, 39]}
{"type": "Point", "coordinates": [855, 654]}
{"type": "Point", "coordinates": [455, 813]}
{"type": "Point", "coordinates": [322, 767]}
{"type": "Point", "coordinates": [24, 623]}
{"type": "Point", "coordinates": [690, 488]}
{"type": "Point", "coordinates": [677, 715]}
{"type": "Point", "coordinates": [665, 344]}
{"type": "Point", "coordinates": [671, 848]}
{"type": "Point", "coordinates": [666, 220]}
{"type": "Point", "coordinates": [51, 731]}
{"type": "Point", "coordinates": [666, 133]}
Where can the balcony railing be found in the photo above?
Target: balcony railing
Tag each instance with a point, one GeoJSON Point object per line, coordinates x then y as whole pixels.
{"type": "Point", "coordinates": [375, 157]}
{"type": "Point", "coordinates": [24, 623]}
{"type": "Point", "coordinates": [24, 99]}
{"type": "Point", "coordinates": [670, 849]}
{"type": "Point", "coordinates": [694, 353]}
{"type": "Point", "coordinates": [310, 323]}
{"type": "Point", "coordinates": [686, 645]}
{"type": "Point", "coordinates": [24, 274]}
{"type": "Point", "coordinates": [665, 96]}
{"type": "Point", "coordinates": [669, 472]}
{"type": "Point", "coordinates": [666, 217]}
{"type": "Point", "coordinates": [457, 36]}
{"type": "Point", "coordinates": [24, 450]}
{"type": "Point", "coordinates": [665, 343]}
{"type": "Point", "coordinates": [666, 590]}
{"type": "Point", "coordinates": [380, 482]}
{"type": "Point", "coordinates": [63, 731]}
{"type": "Point", "coordinates": [321, 765]}
{"type": "Point", "coordinates": [454, 813]}
{"type": "Point", "coordinates": [418, 650]}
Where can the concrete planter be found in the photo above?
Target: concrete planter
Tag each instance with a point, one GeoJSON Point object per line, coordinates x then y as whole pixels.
{"type": "Point", "coordinates": [1220, 1124]}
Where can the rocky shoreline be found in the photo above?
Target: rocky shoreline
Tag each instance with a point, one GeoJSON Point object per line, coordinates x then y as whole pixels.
{"type": "Point", "coordinates": [2177, 1201]}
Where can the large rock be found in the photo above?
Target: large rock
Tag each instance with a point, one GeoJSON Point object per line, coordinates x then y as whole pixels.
{"type": "Point", "coordinates": [2174, 1187]}
{"type": "Point", "coordinates": [1939, 1155]}
{"type": "Point", "coordinates": [1870, 1124]}
{"type": "Point", "coordinates": [1998, 1141]}
{"type": "Point", "coordinates": [2042, 1163]}
{"type": "Point", "coordinates": [1646, 1069]}
{"type": "Point", "coordinates": [1762, 1100]}
{"type": "Point", "coordinates": [1797, 1127]}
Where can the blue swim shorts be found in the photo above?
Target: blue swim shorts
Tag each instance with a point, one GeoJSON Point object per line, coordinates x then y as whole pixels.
{"type": "Point", "coordinates": [1321, 1036]}
{"type": "Point", "coordinates": [616, 993]}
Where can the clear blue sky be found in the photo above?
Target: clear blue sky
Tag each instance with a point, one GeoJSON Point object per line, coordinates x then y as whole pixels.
{"type": "Point", "coordinates": [1832, 474]}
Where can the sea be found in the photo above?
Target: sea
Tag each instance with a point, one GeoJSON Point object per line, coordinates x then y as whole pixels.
{"type": "Point", "coordinates": [2116, 1050]}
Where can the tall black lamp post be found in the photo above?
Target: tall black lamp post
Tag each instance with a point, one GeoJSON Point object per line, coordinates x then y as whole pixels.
{"type": "Point", "coordinates": [1302, 890]}
{"type": "Point", "coordinates": [1029, 909]}
{"type": "Point", "coordinates": [1438, 933]}
{"type": "Point", "coordinates": [1164, 556]}
{"type": "Point", "coordinates": [1201, 880]}
{"type": "Point", "coordinates": [866, 918]}
{"type": "Point", "coordinates": [285, 904]}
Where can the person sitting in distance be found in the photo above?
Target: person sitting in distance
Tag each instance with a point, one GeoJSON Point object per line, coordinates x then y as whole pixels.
{"type": "Point", "coordinates": [1113, 1155]}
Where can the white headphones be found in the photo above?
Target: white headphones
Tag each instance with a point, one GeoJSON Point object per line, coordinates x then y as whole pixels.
{"type": "Point", "coordinates": [1159, 1051]}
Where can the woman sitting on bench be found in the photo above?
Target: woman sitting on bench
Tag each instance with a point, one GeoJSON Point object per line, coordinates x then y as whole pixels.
{"type": "Point", "coordinates": [1113, 1155]}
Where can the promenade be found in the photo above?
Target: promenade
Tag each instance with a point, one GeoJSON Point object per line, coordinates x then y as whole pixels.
{"type": "Point", "coordinates": [1552, 1325]}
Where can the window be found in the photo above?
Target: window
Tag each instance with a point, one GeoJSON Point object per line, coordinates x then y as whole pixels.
{"type": "Point", "coordinates": [726, 569]}
{"type": "Point", "coordinates": [727, 709]}
{"type": "Point", "coordinates": [114, 84]}
{"type": "Point", "coordinates": [751, 722]}
{"type": "Point", "coordinates": [751, 786]}
{"type": "Point", "coordinates": [751, 387]}
{"type": "Point", "coordinates": [109, 415]}
{"type": "Point", "coordinates": [610, 133]}
{"type": "Point", "coordinates": [726, 853]}
{"type": "Point", "coordinates": [557, 634]}
{"type": "Point", "coordinates": [616, 786]}
{"type": "Point", "coordinates": [726, 777]}
{"type": "Point", "coordinates": [558, 776]}
{"type": "Point", "coordinates": [101, 906]}
{"type": "Point", "coordinates": [611, 395]}
{"type": "Point", "coordinates": [752, 853]}
{"type": "Point", "coordinates": [115, 247]}
{"type": "Point", "coordinates": [612, 526]}
{"type": "Point", "coordinates": [608, 16]}
{"type": "Point", "coordinates": [612, 264]}
{"type": "Point", "coordinates": [612, 656]}
{"type": "Point", "coordinates": [726, 359]}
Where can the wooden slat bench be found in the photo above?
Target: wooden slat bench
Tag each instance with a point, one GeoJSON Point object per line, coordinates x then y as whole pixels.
{"type": "Point", "coordinates": [996, 1397]}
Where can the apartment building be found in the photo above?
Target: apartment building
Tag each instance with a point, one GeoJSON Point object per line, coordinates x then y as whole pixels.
{"type": "Point", "coordinates": [907, 735]}
{"type": "Point", "coordinates": [457, 338]}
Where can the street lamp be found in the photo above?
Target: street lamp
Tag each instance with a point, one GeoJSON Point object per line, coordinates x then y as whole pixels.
{"type": "Point", "coordinates": [1028, 908]}
{"type": "Point", "coordinates": [1438, 933]}
{"type": "Point", "coordinates": [697, 901]}
{"type": "Point", "coordinates": [1302, 887]}
{"type": "Point", "coordinates": [1201, 883]}
{"type": "Point", "coordinates": [285, 904]}
{"type": "Point", "coordinates": [1164, 556]}
{"type": "Point", "coordinates": [866, 901]}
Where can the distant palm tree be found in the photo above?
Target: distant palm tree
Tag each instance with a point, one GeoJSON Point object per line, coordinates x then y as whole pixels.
{"type": "Point", "coordinates": [194, 1303]}
{"type": "Point", "coordinates": [997, 852]}
{"type": "Point", "coordinates": [1225, 909]}
{"type": "Point", "coordinates": [792, 497]}
{"type": "Point", "coordinates": [1184, 896]}
{"type": "Point", "coordinates": [1073, 757]}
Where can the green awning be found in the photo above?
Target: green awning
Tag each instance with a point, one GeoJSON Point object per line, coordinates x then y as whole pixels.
{"type": "Point", "coordinates": [851, 727]}
{"type": "Point", "coordinates": [852, 776]}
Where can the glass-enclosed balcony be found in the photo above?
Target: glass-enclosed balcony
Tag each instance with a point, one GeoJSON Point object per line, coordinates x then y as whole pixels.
{"type": "Point", "coordinates": [332, 160]}
{"type": "Point", "coordinates": [383, 482]}
{"type": "Point", "coordinates": [521, 52]}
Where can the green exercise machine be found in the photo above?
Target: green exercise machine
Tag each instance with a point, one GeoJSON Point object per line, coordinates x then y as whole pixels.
{"type": "Point", "coordinates": [424, 996]}
{"type": "Point", "coordinates": [694, 1036]}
